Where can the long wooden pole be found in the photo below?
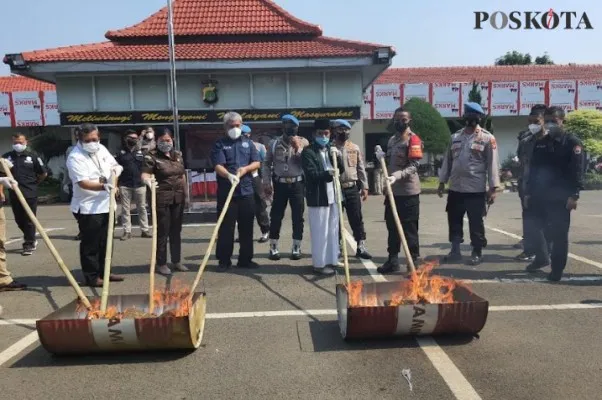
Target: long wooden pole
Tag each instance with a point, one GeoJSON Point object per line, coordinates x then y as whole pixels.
{"type": "Point", "coordinates": [337, 184]}
{"type": "Point", "coordinates": [40, 228]}
{"type": "Point", "coordinates": [393, 206]}
{"type": "Point", "coordinates": [109, 251]}
{"type": "Point", "coordinates": [153, 262]}
{"type": "Point", "coordinates": [222, 215]}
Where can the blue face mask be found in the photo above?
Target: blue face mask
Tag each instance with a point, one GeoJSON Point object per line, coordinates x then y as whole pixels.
{"type": "Point", "coordinates": [322, 141]}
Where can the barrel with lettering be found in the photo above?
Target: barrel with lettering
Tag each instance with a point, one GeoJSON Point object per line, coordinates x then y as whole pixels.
{"type": "Point", "coordinates": [465, 316]}
{"type": "Point", "coordinates": [66, 332]}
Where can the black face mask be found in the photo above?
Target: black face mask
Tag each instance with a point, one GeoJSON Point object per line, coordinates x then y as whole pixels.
{"type": "Point", "coordinates": [291, 131]}
{"type": "Point", "coordinates": [131, 142]}
{"type": "Point", "coordinates": [472, 121]}
{"type": "Point", "coordinates": [343, 136]}
{"type": "Point", "coordinates": [553, 129]}
{"type": "Point", "coordinates": [401, 126]}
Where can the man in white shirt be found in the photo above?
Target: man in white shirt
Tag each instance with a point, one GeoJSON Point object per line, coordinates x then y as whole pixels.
{"type": "Point", "coordinates": [91, 168]}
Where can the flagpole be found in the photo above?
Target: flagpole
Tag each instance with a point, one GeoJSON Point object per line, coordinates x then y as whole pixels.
{"type": "Point", "coordinates": [172, 74]}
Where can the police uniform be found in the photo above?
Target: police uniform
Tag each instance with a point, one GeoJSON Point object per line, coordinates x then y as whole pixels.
{"type": "Point", "coordinates": [353, 180]}
{"type": "Point", "coordinates": [403, 158]}
{"type": "Point", "coordinates": [171, 197]}
{"type": "Point", "coordinates": [555, 174]}
{"type": "Point", "coordinates": [282, 165]}
{"type": "Point", "coordinates": [470, 163]}
{"type": "Point", "coordinates": [233, 155]}
{"type": "Point", "coordinates": [27, 170]}
{"type": "Point", "coordinates": [261, 207]}
{"type": "Point", "coordinates": [131, 188]}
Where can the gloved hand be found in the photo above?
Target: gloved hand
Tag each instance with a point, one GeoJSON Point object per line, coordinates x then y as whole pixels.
{"type": "Point", "coordinates": [66, 188]}
{"type": "Point", "coordinates": [233, 179]}
{"type": "Point", "coordinates": [336, 152]}
{"type": "Point", "coordinates": [8, 182]}
{"type": "Point", "coordinates": [116, 171]}
{"type": "Point", "coordinates": [8, 162]}
{"type": "Point", "coordinates": [441, 189]}
{"type": "Point", "coordinates": [380, 155]}
{"type": "Point", "coordinates": [108, 187]}
{"type": "Point", "coordinates": [391, 179]}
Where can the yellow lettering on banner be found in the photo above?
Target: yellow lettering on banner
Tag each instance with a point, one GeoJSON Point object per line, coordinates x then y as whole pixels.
{"type": "Point", "coordinates": [83, 118]}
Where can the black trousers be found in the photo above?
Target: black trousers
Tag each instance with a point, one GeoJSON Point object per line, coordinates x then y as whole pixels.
{"type": "Point", "coordinates": [169, 228]}
{"type": "Point", "coordinates": [549, 221]}
{"type": "Point", "coordinates": [22, 219]}
{"type": "Point", "coordinates": [352, 202]}
{"type": "Point", "coordinates": [93, 244]}
{"type": "Point", "coordinates": [408, 209]}
{"type": "Point", "coordinates": [241, 211]}
{"type": "Point", "coordinates": [261, 207]}
{"type": "Point", "coordinates": [283, 193]}
{"type": "Point", "coordinates": [472, 204]}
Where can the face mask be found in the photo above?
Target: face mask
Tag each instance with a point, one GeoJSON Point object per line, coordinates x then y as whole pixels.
{"type": "Point", "coordinates": [322, 141]}
{"type": "Point", "coordinates": [401, 126]}
{"type": "Point", "coordinates": [534, 128]}
{"type": "Point", "coordinates": [150, 136]}
{"type": "Point", "coordinates": [290, 131]}
{"type": "Point", "coordinates": [19, 147]}
{"type": "Point", "coordinates": [553, 129]}
{"type": "Point", "coordinates": [131, 142]}
{"type": "Point", "coordinates": [91, 147]}
{"type": "Point", "coordinates": [165, 147]}
{"type": "Point", "coordinates": [472, 122]}
{"type": "Point", "coordinates": [343, 136]}
{"type": "Point", "coordinates": [234, 133]}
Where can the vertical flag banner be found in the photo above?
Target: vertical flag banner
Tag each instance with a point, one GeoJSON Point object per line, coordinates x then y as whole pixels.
{"type": "Point", "coordinates": [386, 100]}
{"type": "Point", "coordinates": [446, 99]}
{"type": "Point", "coordinates": [367, 104]}
{"type": "Point", "coordinates": [28, 108]}
{"type": "Point", "coordinates": [5, 120]}
{"type": "Point", "coordinates": [51, 109]}
{"type": "Point", "coordinates": [531, 93]}
{"type": "Point", "coordinates": [419, 90]}
{"type": "Point", "coordinates": [504, 99]}
{"type": "Point", "coordinates": [563, 94]}
{"type": "Point", "coordinates": [589, 94]}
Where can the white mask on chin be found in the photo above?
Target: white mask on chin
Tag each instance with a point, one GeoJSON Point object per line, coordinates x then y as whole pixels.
{"type": "Point", "coordinates": [534, 128]}
{"type": "Point", "coordinates": [234, 133]}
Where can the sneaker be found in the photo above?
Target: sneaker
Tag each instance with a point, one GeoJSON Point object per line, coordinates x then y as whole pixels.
{"type": "Point", "coordinates": [179, 267]}
{"type": "Point", "coordinates": [476, 258]}
{"type": "Point", "coordinates": [35, 245]}
{"type": "Point", "coordinates": [264, 238]}
{"type": "Point", "coordinates": [535, 267]}
{"type": "Point", "coordinates": [248, 265]}
{"type": "Point", "coordinates": [164, 270]}
{"type": "Point", "coordinates": [126, 236]}
{"type": "Point", "coordinates": [223, 267]}
{"type": "Point", "coordinates": [362, 252]}
{"type": "Point", "coordinates": [327, 271]}
{"type": "Point", "coordinates": [27, 251]}
{"type": "Point", "coordinates": [296, 252]}
{"type": "Point", "coordinates": [13, 286]}
{"type": "Point", "coordinates": [390, 266]}
{"type": "Point", "coordinates": [274, 253]}
{"type": "Point", "coordinates": [146, 235]}
{"type": "Point", "coordinates": [524, 257]}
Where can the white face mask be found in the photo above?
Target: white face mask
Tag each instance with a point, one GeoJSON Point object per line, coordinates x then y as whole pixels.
{"type": "Point", "coordinates": [91, 147]}
{"type": "Point", "coordinates": [234, 133]}
{"type": "Point", "coordinates": [150, 135]}
{"type": "Point", "coordinates": [534, 128]}
{"type": "Point", "coordinates": [19, 147]}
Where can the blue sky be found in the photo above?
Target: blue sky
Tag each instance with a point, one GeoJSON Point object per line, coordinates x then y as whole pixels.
{"type": "Point", "coordinates": [424, 32]}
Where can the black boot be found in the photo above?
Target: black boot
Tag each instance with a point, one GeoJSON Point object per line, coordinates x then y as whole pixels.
{"type": "Point", "coordinates": [555, 276]}
{"type": "Point", "coordinates": [391, 265]}
{"type": "Point", "coordinates": [476, 257]}
{"type": "Point", "coordinates": [454, 255]}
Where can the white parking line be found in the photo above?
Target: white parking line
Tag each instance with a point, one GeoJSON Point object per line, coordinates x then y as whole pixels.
{"type": "Point", "coordinates": [37, 234]}
{"type": "Point", "coordinates": [571, 255]}
{"type": "Point", "coordinates": [18, 347]}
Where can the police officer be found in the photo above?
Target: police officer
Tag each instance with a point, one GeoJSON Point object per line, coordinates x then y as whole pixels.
{"type": "Point", "coordinates": [167, 166]}
{"type": "Point", "coordinates": [235, 159]}
{"type": "Point", "coordinates": [283, 166]}
{"type": "Point", "coordinates": [7, 283]}
{"type": "Point", "coordinates": [131, 187]}
{"type": "Point", "coordinates": [28, 170]}
{"type": "Point", "coordinates": [404, 151]}
{"type": "Point", "coordinates": [261, 207]}
{"type": "Point", "coordinates": [147, 139]}
{"type": "Point", "coordinates": [354, 183]}
{"type": "Point", "coordinates": [470, 163]}
{"type": "Point", "coordinates": [552, 185]}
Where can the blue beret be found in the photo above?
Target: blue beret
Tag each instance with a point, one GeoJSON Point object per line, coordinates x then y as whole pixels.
{"type": "Point", "coordinates": [473, 108]}
{"type": "Point", "coordinates": [341, 122]}
{"type": "Point", "coordinates": [245, 129]}
{"type": "Point", "coordinates": [291, 118]}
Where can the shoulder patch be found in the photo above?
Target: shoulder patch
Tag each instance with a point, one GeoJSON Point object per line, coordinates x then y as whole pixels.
{"type": "Point", "coordinates": [493, 143]}
{"type": "Point", "coordinates": [40, 162]}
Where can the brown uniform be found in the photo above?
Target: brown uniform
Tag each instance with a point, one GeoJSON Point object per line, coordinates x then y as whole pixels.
{"type": "Point", "coordinates": [171, 196]}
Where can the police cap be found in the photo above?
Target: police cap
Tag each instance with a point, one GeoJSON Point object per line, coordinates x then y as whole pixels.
{"type": "Point", "coordinates": [291, 118]}
{"type": "Point", "coordinates": [472, 108]}
{"type": "Point", "coordinates": [341, 122]}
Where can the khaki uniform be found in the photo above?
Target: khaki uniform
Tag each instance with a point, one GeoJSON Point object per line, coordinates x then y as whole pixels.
{"type": "Point", "coordinates": [353, 179]}
{"type": "Point", "coordinates": [282, 161]}
{"type": "Point", "coordinates": [5, 277]}
{"type": "Point", "coordinates": [402, 168]}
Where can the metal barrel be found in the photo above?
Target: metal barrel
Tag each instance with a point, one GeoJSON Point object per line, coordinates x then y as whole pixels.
{"type": "Point", "coordinates": [67, 332]}
{"type": "Point", "coordinates": [467, 315]}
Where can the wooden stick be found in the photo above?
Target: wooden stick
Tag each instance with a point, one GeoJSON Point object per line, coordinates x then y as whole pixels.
{"type": "Point", "coordinates": [153, 262]}
{"type": "Point", "coordinates": [109, 251]}
{"type": "Point", "coordinates": [40, 228]}
{"type": "Point", "coordinates": [222, 215]}
{"type": "Point", "coordinates": [338, 188]}
{"type": "Point", "coordinates": [393, 206]}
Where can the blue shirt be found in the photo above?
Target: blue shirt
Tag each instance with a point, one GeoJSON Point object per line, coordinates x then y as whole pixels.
{"type": "Point", "coordinates": [232, 155]}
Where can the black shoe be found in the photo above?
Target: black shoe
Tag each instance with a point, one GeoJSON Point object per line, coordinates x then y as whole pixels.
{"type": "Point", "coordinates": [248, 265]}
{"type": "Point", "coordinates": [519, 245]}
{"type": "Point", "coordinates": [453, 257]}
{"type": "Point", "coordinates": [555, 276]}
{"type": "Point", "coordinates": [362, 252]}
{"type": "Point", "coordinates": [535, 267]}
{"type": "Point", "coordinates": [126, 236]}
{"type": "Point", "coordinates": [13, 286]}
{"type": "Point", "coordinates": [223, 267]}
{"type": "Point", "coordinates": [27, 251]}
{"type": "Point", "coordinates": [146, 235]}
{"type": "Point", "coordinates": [476, 258]}
{"type": "Point", "coordinates": [524, 257]}
{"type": "Point", "coordinates": [388, 267]}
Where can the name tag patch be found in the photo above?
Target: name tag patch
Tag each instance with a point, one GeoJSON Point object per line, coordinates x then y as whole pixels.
{"type": "Point", "coordinates": [477, 147]}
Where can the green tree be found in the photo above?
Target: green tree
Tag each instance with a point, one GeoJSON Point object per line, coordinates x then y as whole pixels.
{"type": "Point", "coordinates": [429, 125]}
{"type": "Point", "coordinates": [587, 125]}
{"type": "Point", "coordinates": [518, 58]}
{"type": "Point", "coordinates": [475, 96]}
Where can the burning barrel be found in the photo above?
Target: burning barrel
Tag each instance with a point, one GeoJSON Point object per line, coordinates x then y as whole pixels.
{"type": "Point", "coordinates": [126, 326]}
{"type": "Point", "coordinates": [388, 309]}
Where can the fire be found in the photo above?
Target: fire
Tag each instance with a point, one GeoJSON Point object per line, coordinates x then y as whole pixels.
{"type": "Point", "coordinates": [422, 287]}
{"type": "Point", "coordinates": [168, 303]}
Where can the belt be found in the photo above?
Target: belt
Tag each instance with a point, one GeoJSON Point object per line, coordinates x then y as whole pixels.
{"type": "Point", "coordinates": [348, 185]}
{"type": "Point", "coordinates": [289, 180]}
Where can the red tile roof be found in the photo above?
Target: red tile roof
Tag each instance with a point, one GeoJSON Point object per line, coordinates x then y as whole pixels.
{"type": "Point", "coordinates": [22, 84]}
{"type": "Point", "coordinates": [490, 73]}
{"type": "Point", "coordinates": [220, 17]}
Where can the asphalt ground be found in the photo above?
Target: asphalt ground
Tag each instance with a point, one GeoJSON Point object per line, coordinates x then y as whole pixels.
{"type": "Point", "coordinates": [541, 340]}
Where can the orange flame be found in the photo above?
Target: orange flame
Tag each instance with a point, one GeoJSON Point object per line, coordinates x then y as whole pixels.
{"type": "Point", "coordinates": [168, 303]}
{"type": "Point", "coordinates": [421, 287]}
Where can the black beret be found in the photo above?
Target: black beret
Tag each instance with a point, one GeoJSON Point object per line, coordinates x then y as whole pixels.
{"type": "Point", "coordinates": [322, 124]}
